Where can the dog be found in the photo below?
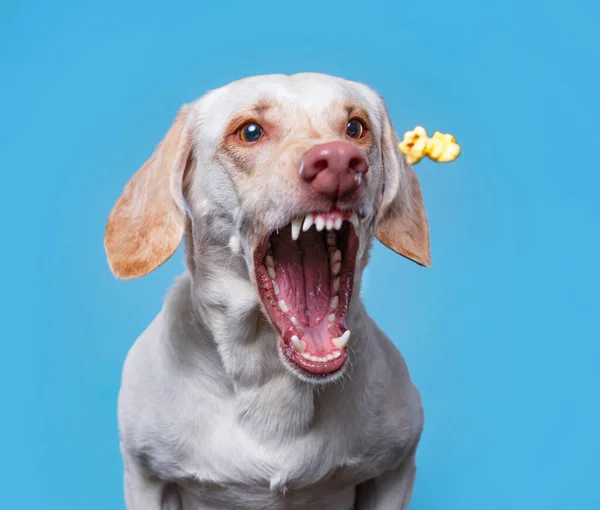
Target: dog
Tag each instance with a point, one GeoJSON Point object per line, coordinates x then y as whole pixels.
{"type": "Point", "coordinates": [263, 383]}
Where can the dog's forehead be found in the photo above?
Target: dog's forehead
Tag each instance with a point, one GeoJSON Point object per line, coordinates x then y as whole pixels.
{"type": "Point", "coordinates": [307, 92]}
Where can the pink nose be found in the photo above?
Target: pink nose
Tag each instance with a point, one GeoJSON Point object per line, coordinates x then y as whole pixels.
{"type": "Point", "coordinates": [334, 169]}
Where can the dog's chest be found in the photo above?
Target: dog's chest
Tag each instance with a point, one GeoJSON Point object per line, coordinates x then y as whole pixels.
{"type": "Point", "coordinates": [226, 464]}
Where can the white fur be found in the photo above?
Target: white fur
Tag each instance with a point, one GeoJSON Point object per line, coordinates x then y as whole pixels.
{"type": "Point", "coordinates": [209, 416]}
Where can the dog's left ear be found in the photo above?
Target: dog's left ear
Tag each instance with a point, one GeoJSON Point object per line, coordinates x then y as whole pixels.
{"type": "Point", "coordinates": [401, 223]}
{"type": "Point", "coordinates": [147, 223]}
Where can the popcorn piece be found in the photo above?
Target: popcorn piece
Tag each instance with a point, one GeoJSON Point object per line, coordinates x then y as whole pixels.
{"type": "Point", "coordinates": [440, 147]}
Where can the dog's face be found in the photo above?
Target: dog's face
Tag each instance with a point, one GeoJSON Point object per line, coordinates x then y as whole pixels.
{"type": "Point", "coordinates": [304, 170]}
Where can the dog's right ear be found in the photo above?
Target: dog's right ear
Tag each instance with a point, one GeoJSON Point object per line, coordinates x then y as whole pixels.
{"type": "Point", "coordinates": [147, 223]}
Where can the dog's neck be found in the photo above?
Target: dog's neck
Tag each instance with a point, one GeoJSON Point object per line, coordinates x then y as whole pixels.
{"type": "Point", "coordinates": [269, 399]}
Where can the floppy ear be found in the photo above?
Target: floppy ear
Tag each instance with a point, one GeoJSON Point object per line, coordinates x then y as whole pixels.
{"type": "Point", "coordinates": [401, 223]}
{"type": "Point", "coordinates": [147, 223]}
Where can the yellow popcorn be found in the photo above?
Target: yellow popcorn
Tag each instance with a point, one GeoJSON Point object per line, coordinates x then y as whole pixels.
{"type": "Point", "coordinates": [440, 147]}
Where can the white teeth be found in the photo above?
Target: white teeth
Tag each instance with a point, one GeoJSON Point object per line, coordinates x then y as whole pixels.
{"type": "Point", "coordinates": [310, 357]}
{"type": "Point", "coordinates": [296, 225]}
{"type": "Point", "coordinates": [305, 223]}
{"type": "Point", "coordinates": [323, 359]}
{"type": "Point", "coordinates": [335, 301]}
{"type": "Point", "coordinates": [272, 273]}
{"type": "Point", "coordinates": [275, 287]}
{"type": "Point", "coordinates": [283, 306]}
{"type": "Point", "coordinates": [299, 345]}
{"type": "Point", "coordinates": [341, 342]}
{"type": "Point", "coordinates": [308, 222]}
{"type": "Point", "coordinates": [319, 223]}
{"type": "Point", "coordinates": [336, 284]}
{"type": "Point", "coordinates": [331, 317]}
{"type": "Point", "coordinates": [294, 320]}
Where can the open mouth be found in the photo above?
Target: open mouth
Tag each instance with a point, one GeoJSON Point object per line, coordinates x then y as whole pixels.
{"type": "Point", "coordinates": [304, 273]}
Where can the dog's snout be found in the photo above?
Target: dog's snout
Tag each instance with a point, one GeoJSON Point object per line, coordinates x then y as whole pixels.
{"type": "Point", "coordinates": [334, 169]}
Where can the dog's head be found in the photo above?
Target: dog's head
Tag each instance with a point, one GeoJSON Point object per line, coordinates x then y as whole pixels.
{"type": "Point", "coordinates": [301, 171]}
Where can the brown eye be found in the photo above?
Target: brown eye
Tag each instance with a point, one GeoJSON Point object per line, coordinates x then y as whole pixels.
{"type": "Point", "coordinates": [355, 128]}
{"type": "Point", "coordinates": [250, 132]}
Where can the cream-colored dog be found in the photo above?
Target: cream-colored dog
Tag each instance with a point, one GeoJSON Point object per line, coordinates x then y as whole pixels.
{"type": "Point", "coordinates": [263, 383]}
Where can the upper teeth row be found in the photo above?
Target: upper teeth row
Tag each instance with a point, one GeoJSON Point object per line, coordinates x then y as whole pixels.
{"type": "Point", "coordinates": [320, 223]}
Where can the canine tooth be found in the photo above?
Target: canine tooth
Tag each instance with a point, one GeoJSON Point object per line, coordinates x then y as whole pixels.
{"type": "Point", "coordinates": [299, 345]}
{"type": "Point", "coordinates": [272, 273]}
{"type": "Point", "coordinates": [338, 223]}
{"type": "Point", "coordinates": [329, 224]}
{"type": "Point", "coordinates": [296, 225]}
{"type": "Point", "coordinates": [354, 220]}
{"type": "Point", "coordinates": [269, 261]}
{"type": "Point", "coordinates": [319, 223]}
{"type": "Point", "coordinates": [308, 222]}
{"type": "Point", "coordinates": [341, 342]}
{"type": "Point", "coordinates": [336, 284]}
{"type": "Point", "coordinates": [275, 287]}
{"type": "Point", "coordinates": [331, 317]}
{"type": "Point", "coordinates": [283, 306]}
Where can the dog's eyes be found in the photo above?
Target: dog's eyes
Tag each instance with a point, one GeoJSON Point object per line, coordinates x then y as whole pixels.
{"type": "Point", "coordinates": [355, 128]}
{"type": "Point", "coordinates": [250, 132]}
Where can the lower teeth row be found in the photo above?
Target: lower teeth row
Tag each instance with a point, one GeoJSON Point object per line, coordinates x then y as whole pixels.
{"type": "Point", "coordinates": [330, 357]}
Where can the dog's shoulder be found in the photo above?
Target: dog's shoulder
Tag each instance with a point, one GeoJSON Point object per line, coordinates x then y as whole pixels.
{"type": "Point", "coordinates": [169, 388]}
{"type": "Point", "coordinates": [389, 398]}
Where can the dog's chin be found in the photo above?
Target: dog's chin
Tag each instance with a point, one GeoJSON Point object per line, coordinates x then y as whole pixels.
{"type": "Point", "coordinates": [294, 364]}
{"type": "Point", "coordinates": [304, 273]}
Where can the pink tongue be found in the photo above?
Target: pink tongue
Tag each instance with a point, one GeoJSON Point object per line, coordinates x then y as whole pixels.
{"type": "Point", "coordinates": [303, 277]}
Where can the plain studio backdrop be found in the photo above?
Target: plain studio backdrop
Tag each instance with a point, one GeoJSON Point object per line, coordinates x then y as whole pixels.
{"type": "Point", "coordinates": [501, 334]}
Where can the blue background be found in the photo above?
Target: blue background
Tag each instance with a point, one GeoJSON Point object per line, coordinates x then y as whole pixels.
{"type": "Point", "coordinates": [501, 334]}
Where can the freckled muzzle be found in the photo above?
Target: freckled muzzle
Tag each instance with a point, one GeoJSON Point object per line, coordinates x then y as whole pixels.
{"type": "Point", "coordinates": [304, 273]}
